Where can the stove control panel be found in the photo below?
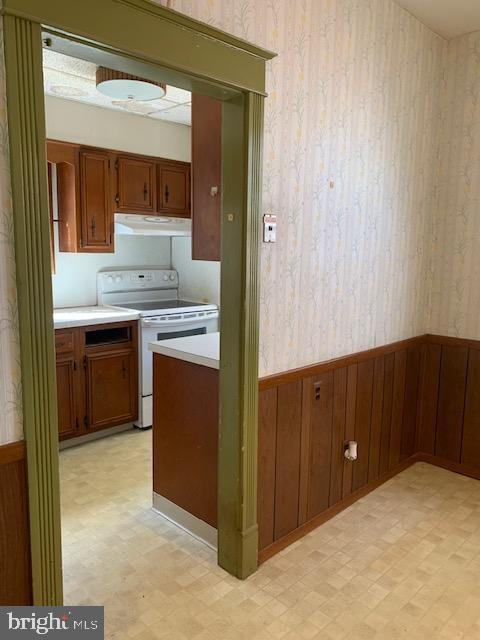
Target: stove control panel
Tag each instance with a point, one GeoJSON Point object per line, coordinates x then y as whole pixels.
{"type": "Point", "coordinates": [136, 279]}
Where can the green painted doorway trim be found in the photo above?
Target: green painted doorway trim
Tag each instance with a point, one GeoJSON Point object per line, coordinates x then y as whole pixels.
{"type": "Point", "coordinates": [191, 54]}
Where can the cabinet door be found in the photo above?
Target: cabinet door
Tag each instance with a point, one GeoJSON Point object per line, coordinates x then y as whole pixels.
{"type": "Point", "coordinates": [111, 380]}
{"type": "Point", "coordinates": [136, 185]}
{"type": "Point", "coordinates": [67, 415]}
{"type": "Point", "coordinates": [206, 177]}
{"type": "Point", "coordinates": [174, 189]}
{"type": "Point", "coordinates": [96, 202]}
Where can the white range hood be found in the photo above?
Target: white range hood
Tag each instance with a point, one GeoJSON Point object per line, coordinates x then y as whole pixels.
{"type": "Point", "coordinates": [127, 224]}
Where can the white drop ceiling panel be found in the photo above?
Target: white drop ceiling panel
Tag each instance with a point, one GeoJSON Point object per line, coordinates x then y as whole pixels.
{"type": "Point", "coordinates": [74, 79]}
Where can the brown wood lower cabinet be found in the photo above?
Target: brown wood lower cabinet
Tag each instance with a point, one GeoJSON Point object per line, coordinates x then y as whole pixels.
{"type": "Point", "coordinates": [111, 388]}
{"type": "Point", "coordinates": [97, 377]}
{"type": "Point", "coordinates": [185, 435]}
{"type": "Point", "coordinates": [66, 397]}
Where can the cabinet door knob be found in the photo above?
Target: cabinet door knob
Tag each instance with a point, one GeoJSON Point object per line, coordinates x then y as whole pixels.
{"type": "Point", "coordinates": [145, 191]}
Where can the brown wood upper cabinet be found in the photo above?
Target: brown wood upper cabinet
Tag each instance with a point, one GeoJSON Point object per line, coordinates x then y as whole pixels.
{"type": "Point", "coordinates": [174, 189]}
{"type": "Point", "coordinates": [96, 213]}
{"type": "Point", "coordinates": [136, 185]}
{"type": "Point", "coordinates": [206, 177]}
{"type": "Point", "coordinates": [92, 184]}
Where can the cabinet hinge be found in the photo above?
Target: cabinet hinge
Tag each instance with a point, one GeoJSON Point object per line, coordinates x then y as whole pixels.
{"type": "Point", "coordinates": [116, 165]}
{"type": "Point", "coordinates": [84, 362]}
{"type": "Point", "coordinates": [74, 365]}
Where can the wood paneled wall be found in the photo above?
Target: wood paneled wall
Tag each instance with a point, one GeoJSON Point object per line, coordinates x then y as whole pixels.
{"type": "Point", "coordinates": [306, 419]}
{"type": "Point", "coordinates": [449, 412]}
{"type": "Point", "coordinates": [15, 576]}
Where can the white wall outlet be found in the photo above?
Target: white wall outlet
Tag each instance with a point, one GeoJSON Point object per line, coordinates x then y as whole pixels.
{"type": "Point", "coordinates": [269, 228]}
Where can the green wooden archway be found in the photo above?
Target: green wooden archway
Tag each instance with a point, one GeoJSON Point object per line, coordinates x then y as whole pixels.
{"type": "Point", "coordinates": [149, 39]}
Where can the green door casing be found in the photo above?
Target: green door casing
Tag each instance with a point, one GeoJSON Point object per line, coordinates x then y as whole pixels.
{"type": "Point", "coordinates": [145, 39]}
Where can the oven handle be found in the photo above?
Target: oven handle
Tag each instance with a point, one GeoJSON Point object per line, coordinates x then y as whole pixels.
{"type": "Point", "coordinates": [155, 324]}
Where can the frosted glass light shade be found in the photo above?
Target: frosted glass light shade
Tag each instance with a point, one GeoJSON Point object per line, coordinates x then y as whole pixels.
{"type": "Point", "coordinates": [123, 86]}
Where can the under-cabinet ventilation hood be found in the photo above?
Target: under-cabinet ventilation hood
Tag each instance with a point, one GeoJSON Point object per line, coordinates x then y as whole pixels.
{"type": "Point", "coordinates": [127, 224]}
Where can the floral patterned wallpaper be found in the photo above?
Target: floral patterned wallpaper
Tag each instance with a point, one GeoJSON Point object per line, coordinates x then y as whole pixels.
{"type": "Point", "coordinates": [353, 142]}
{"type": "Point", "coordinates": [353, 99]}
{"type": "Point", "coordinates": [10, 386]}
{"type": "Point", "coordinates": [454, 305]}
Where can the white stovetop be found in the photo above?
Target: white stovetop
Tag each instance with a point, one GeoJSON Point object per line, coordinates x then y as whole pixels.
{"type": "Point", "coordinates": [83, 316]}
{"type": "Point", "coordinates": [203, 349]}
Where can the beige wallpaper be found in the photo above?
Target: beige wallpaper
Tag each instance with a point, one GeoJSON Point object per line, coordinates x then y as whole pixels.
{"type": "Point", "coordinates": [10, 386]}
{"type": "Point", "coordinates": [353, 95]}
{"type": "Point", "coordinates": [352, 146]}
{"type": "Point", "coordinates": [454, 307]}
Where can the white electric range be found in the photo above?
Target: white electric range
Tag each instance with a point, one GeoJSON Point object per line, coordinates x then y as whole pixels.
{"type": "Point", "coordinates": [153, 293]}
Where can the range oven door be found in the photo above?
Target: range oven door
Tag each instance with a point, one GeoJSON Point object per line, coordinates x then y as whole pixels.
{"type": "Point", "coordinates": [153, 329]}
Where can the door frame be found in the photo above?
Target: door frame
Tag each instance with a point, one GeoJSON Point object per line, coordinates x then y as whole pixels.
{"type": "Point", "coordinates": [149, 38]}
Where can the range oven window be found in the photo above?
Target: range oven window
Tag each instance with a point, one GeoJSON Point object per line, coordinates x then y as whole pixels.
{"type": "Point", "coordinates": [181, 334]}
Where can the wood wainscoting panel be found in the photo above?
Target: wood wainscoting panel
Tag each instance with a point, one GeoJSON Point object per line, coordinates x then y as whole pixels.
{"type": "Point", "coordinates": [338, 435]}
{"type": "Point", "coordinates": [387, 413]}
{"type": "Point", "coordinates": [15, 571]}
{"type": "Point", "coordinates": [471, 424]}
{"type": "Point", "coordinates": [288, 449]}
{"type": "Point", "coordinates": [363, 420]}
{"type": "Point", "coordinates": [412, 379]}
{"type": "Point", "coordinates": [428, 402]}
{"type": "Point", "coordinates": [267, 444]}
{"type": "Point", "coordinates": [398, 401]}
{"type": "Point", "coordinates": [376, 425]}
{"type": "Point", "coordinates": [350, 410]}
{"type": "Point", "coordinates": [451, 402]}
{"type": "Point", "coordinates": [319, 393]}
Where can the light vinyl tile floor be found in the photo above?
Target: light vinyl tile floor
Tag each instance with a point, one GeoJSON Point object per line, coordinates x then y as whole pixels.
{"type": "Point", "coordinates": [402, 563]}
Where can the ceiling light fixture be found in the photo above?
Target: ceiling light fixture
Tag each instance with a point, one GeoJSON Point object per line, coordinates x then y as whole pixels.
{"type": "Point", "coordinates": [123, 86]}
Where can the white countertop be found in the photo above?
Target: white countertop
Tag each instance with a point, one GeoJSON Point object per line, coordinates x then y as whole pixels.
{"type": "Point", "coordinates": [83, 316]}
{"type": "Point", "coordinates": [203, 349]}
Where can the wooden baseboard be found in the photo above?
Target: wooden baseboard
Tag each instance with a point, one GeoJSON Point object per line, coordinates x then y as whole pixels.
{"type": "Point", "coordinates": [332, 511]}
{"type": "Point", "coordinates": [456, 467]}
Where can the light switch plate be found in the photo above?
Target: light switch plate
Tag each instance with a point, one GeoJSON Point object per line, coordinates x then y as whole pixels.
{"type": "Point", "coordinates": [269, 228]}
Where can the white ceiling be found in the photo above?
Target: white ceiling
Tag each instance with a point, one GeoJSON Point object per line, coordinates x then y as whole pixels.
{"type": "Point", "coordinates": [448, 18]}
{"type": "Point", "coordinates": [74, 79]}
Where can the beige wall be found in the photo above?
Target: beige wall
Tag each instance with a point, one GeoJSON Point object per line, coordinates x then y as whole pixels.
{"type": "Point", "coordinates": [454, 305]}
{"type": "Point", "coordinates": [353, 99]}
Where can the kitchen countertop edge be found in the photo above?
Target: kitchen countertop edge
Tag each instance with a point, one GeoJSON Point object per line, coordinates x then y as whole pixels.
{"type": "Point", "coordinates": [86, 316]}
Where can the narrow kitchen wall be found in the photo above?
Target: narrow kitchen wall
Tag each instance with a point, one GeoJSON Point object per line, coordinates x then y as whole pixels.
{"type": "Point", "coordinates": [199, 280]}
{"type": "Point", "coordinates": [454, 305]}
{"type": "Point", "coordinates": [74, 283]}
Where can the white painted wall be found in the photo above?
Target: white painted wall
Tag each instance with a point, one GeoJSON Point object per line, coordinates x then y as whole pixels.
{"type": "Point", "coordinates": [75, 281]}
{"type": "Point", "coordinates": [199, 280]}
{"type": "Point", "coordinates": [86, 124]}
